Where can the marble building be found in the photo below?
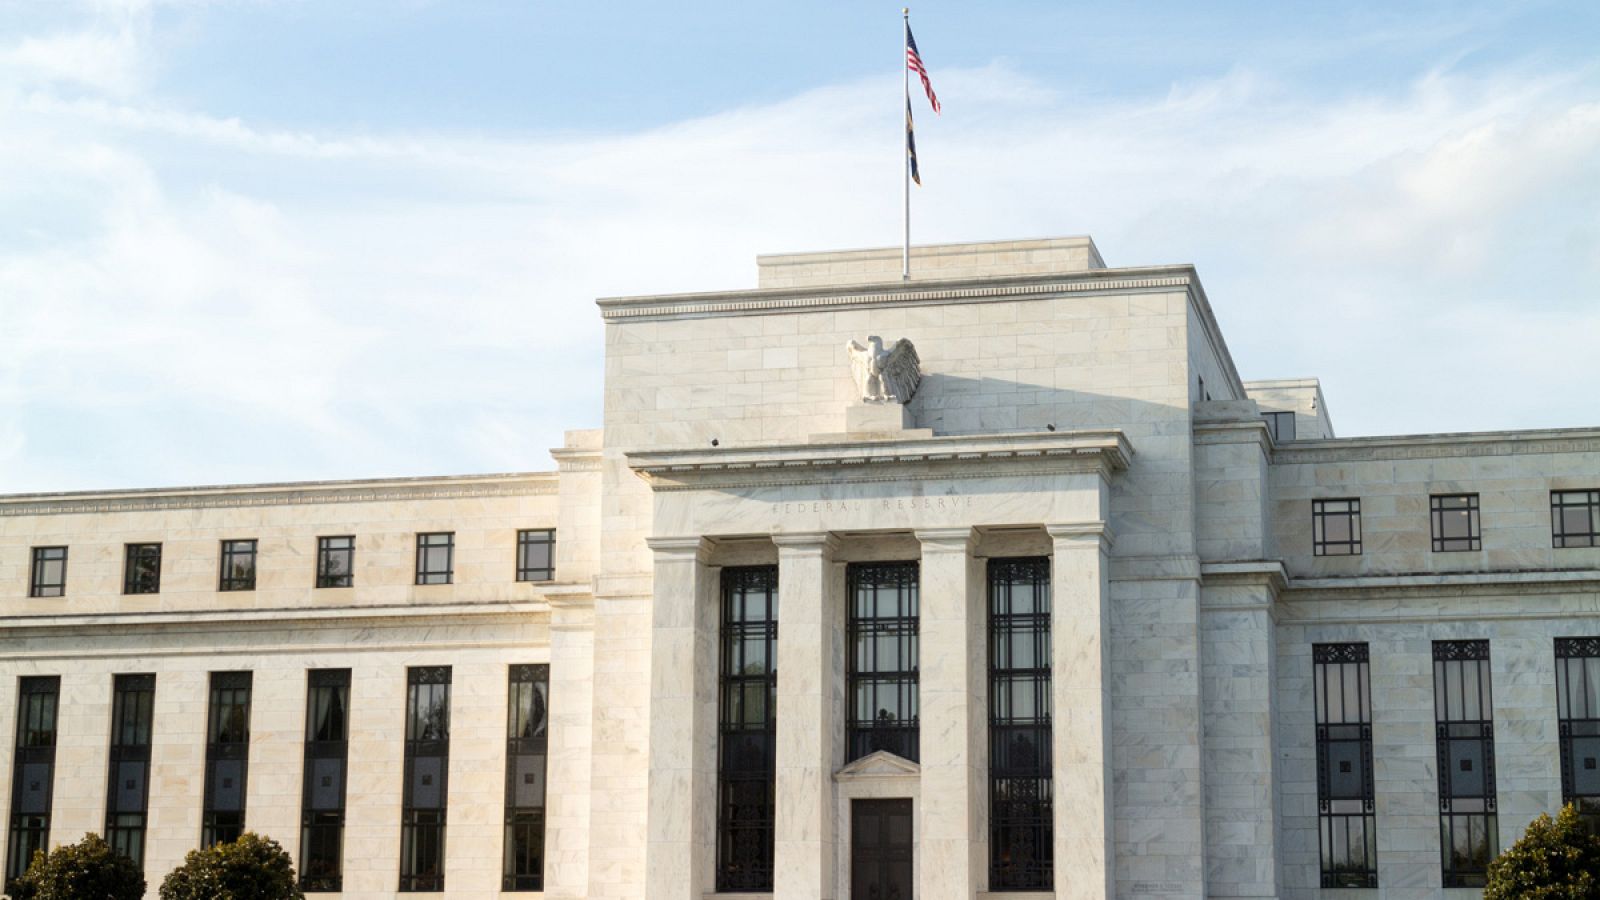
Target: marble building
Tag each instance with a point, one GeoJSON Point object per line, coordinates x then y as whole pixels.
{"type": "Point", "coordinates": [996, 581]}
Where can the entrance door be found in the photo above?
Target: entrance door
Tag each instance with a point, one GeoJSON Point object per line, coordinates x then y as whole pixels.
{"type": "Point", "coordinates": [880, 850]}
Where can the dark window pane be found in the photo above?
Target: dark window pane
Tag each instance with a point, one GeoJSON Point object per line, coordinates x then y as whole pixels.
{"type": "Point", "coordinates": [323, 777]}
{"type": "Point", "coordinates": [335, 562]}
{"type": "Point", "coordinates": [746, 729]}
{"type": "Point", "coordinates": [238, 566]}
{"type": "Point", "coordinates": [1455, 522]}
{"type": "Point", "coordinates": [49, 575]}
{"type": "Point", "coordinates": [426, 788]}
{"type": "Point", "coordinates": [1346, 807]}
{"type": "Point", "coordinates": [142, 569]}
{"type": "Point", "coordinates": [1021, 856]}
{"type": "Point", "coordinates": [527, 745]}
{"type": "Point", "coordinates": [33, 783]}
{"type": "Point", "coordinates": [536, 555]}
{"type": "Point", "coordinates": [1336, 527]}
{"type": "Point", "coordinates": [435, 558]}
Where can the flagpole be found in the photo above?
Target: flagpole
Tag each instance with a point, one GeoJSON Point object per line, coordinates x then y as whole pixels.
{"type": "Point", "coordinates": [905, 158]}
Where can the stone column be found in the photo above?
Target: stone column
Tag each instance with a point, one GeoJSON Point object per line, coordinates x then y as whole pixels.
{"type": "Point", "coordinates": [810, 715]}
{"type": "Point", "coordinates": [680, 830]}
{"type": "Point", "coordinates": [1080, 700]}
{"type": "Point", "coordinates": [953, 838]}
{"type": "Point", "coordinates": [1239, 756]}
{"type": "Point", "coordinates": [571, 726]}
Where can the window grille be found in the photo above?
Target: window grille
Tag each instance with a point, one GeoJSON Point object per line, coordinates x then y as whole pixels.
{"type": "Point", "coordinates": [1021, 783]}
{"type": "Point", "coordinates": [746, 720]}
{"type": "Point", "coordinates": [882, 666]}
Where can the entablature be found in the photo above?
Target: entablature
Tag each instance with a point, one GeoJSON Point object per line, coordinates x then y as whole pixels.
{"type": "Point", "coordinates": [967, 456]}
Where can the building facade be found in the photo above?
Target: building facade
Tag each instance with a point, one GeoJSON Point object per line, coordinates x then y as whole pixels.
{"type": "Point", "coordinates": [1087, 616]}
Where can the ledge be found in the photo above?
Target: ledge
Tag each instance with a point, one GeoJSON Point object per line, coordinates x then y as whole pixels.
{"type": "Point", "coordinates": [1439, 446]}
{"type": "Point", "coordinates": [973, 456]}
{"type": "Point", "coordinates": [1519, 578]}
{"type": "Point", "coordinates": [269, 619]}
{"type": "Point", "coordinates": [280, 494]}
{"type": "Point", "coordinates": [986, 288]}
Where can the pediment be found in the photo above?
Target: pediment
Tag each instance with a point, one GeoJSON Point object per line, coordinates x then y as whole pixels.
{"type": "Point", "coordinates": [881, 764]}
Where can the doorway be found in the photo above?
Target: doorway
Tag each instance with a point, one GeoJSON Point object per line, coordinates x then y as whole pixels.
{"type": "Point", "coordinates": [880, 850]}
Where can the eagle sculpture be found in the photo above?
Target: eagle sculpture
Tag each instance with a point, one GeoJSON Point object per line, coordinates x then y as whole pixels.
{"type": "Point", "coordinates": [885, 376]}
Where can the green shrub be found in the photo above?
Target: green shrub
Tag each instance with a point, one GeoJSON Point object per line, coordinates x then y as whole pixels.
{"type": "Point", "coordinates": [89, 868]}
{"type": "Point", "coordinates": [1557, 860]}
{"type": "Point", "coordinates": [251, 868]}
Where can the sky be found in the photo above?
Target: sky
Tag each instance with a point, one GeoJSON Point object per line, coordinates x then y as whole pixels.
{"type": "Point", "coordinates": [269, 240]}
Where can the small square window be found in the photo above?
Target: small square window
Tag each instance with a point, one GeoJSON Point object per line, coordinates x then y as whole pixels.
{"type": "Point", "coordinates": [1455, 522]}
{"type": "Point", "coordinates": [1575, 518]}
{"type": "Point", "coordinates": [436, 558]}
{"type": "Point", "coordinates": [49, 577]}
{"type": "Point", "coordinates": [1336, 527]}
{"type": "Point", "coordinates": [1281, 424]}
{"type": "Point", "coordinates": [336, 561]}
{"type": "Point", "coordinates": [536, 550]}
{"type": "Point", "coordinates": [238, 569]}
{"type": "Point", "coordinates": [141, 572]}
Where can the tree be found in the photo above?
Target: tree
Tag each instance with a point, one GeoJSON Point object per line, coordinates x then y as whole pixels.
{"type": "Point", "coordinates": [1557, 860]}
{"type": "Point", "coordinates": [89, 868]}
{"type": "Point", "coordinates": [250, 868]}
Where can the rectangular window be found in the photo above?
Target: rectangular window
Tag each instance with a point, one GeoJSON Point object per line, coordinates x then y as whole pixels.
{"type": "Point", "coordinates": [536, 554]}
{"type": "Point", "coordinates": [1280, 424]}
{"type": "Point", "coordinates": [1021, 782]}
{"type": "Point", "coordinates": [1578, 724]}
{"type": "Point", "coordinates": [436, 557]}
{"type": "Point", "coordinates": [882, 665]}
{"type": "Point", "coordinates": [141, 571]}
{"type": "Point", "coordinates": [1575, 518]}
{"type": "Point", "coordinates": [323, 776]}
{"type": "Point", "coordinates": [746, 728]}
{"type": "Point", "coordinates": [1347, 814]}
{"type": "Point", "coordinates": [1455, 522]}
{"type": "Point", "coordinates": [33, 770]}
{"type": "Point", "coordinates": [336, 561]}
{"type": "Point", "coordinates": [427, 769]}
{"type": "Point", "coordinates": [1336, 527]}
{"type": "Point", "coordinates": [227, 758]}
{"type": "Point", "coordinates": [238, 569]}
{"type": "Point", "coordinates": [527, 752]}
{"type": "Point", "coordinates": [1463, 715]}
{"type": "Point", "coordinates": [133, 715]}
{"type": "Point", "coordinates": [49, 575]}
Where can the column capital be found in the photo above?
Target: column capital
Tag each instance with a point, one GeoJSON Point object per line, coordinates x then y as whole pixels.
{"type": "Point", "coordinates": [806, 541]}
{"type": "Point", "coordinates": [695, 547]}
{"type": "Point", "coordinates": [1085, 533]}
{"type": "Point", "coordinates": [952, 540]}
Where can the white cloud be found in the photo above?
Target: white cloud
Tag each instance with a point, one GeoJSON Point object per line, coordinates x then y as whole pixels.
{"type": "Point", "coordinates": [190, 298]}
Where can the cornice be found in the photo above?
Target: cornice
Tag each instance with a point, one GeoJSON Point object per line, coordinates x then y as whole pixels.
{"type": "Point", "coordinates": [1440, 446]}
{"type": "Point", "coordinates": [577, 459]}
{"type": "Point", "coordinates": [285, 494]}
{"type": "Point", "coordinates": [964, 456]}
{"type": "Point", "coordinates": [1097, 533]}
{"type": "Point", "coordinates": [272, 620]}
{"type": "Point", "coordinates": [1446, 584]}
{"type": "Point", "coordinates": [1266, 573]}
{"type": "Point", "coordinates": [949, 540]}
{"type": "Point", "coordinates": [806, 542]}
{"type": "Point", "coordinates": [763, 301]}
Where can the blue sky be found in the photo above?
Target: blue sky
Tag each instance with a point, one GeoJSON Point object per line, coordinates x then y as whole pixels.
{"type": "Point", "coordinates": [274, 239]}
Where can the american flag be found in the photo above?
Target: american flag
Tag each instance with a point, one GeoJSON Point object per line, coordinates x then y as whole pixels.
{"type": "Point", "coordinates": [911, 147]}
{"type": "Point", "coordinates": [914, 63]}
